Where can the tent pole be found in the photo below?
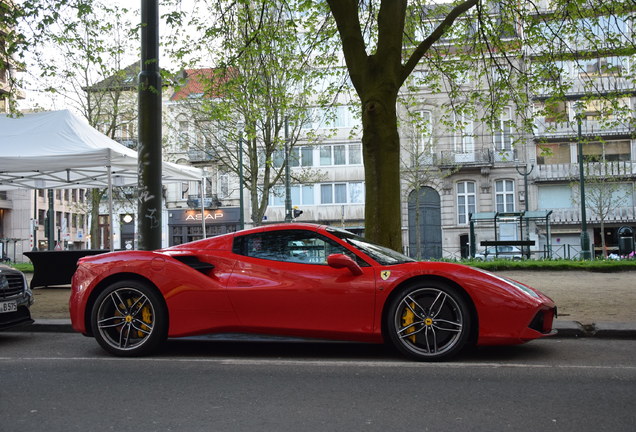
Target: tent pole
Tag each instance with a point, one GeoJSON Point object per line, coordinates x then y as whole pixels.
{"type": "Point", "coordinates": [110, 207]}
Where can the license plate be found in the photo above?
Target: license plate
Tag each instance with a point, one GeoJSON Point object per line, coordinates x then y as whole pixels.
{"type": "Point", "coordinates": [9, 306]}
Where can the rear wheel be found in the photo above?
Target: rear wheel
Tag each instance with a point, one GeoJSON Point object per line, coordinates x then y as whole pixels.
{"type": "Point", "coordinates": [429, 321]}
{"type": "Point", "coordinates": [129, 319]}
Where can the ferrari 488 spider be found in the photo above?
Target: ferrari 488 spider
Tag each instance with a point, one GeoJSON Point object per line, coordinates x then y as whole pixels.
{"type": "Point", "coordinates": [305, 281]}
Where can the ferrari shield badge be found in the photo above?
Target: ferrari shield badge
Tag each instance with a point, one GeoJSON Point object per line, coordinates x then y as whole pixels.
{"type": "Point", "coordinates": [385, 274]}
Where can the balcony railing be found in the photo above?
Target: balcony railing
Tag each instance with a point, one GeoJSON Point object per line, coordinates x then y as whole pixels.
{"type": "Point", "coordinates": [573, 215]}
{"type": "Point", "coordinates": [569, 130]}
{"type": "Point", "coordinates": [475, 157]}
{"type": "Point", "coordinates": [571, 171]}
{"type": "Point", "coordinates": [209, 201]}
{"type": "Point", "coordinates": [586, 84]}
{"type": "Point", "coordinates": [196, 155]}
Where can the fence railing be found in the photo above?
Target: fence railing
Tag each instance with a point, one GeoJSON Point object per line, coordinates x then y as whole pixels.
{"type": "Point", "coordinates": [571, 171]}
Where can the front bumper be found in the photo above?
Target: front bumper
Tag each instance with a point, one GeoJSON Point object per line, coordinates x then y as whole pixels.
{"type": "Point", "coordinates": [13, 288]}
{"type": "Point", "coordinates": [12, 319]}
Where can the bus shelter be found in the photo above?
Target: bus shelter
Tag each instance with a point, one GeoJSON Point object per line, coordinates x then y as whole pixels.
{"type": "Point", "coordinates": [494, 221]}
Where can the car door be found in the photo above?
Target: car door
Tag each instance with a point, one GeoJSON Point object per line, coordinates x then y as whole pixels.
{"type": "Point", "coordinates": [282, 283]}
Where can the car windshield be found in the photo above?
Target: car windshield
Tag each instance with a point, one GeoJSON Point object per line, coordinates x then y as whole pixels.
{"type": "Point", "coordinates": [381, 254]}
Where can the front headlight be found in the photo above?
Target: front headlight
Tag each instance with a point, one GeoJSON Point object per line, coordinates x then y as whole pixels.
{"type": "Point", "coordinates": [518, 286]}
{"type": "Point", "coordinates": [521, 287]}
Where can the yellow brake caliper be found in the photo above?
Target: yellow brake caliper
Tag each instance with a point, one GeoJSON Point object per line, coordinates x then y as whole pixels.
{"type": "Point", "coordinates": [407, 319]}
{"type": "Point", "coordinates": [146, 316]}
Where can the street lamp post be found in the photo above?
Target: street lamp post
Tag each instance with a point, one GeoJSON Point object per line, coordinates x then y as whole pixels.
{"type": "Point", "coordinates": [585, 239]}
{"type": "Point", "coordinates": [149, 126]}
{"type": "Point", "coordinates": [241, 200]}
{"type": "Point", "coordinates": [525, 173]}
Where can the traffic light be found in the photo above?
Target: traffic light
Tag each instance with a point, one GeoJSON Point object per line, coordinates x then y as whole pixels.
{"type": "Point", "coordinates": [297, 212]}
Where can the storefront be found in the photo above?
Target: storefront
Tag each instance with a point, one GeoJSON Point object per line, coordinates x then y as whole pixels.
{"type": "Point", "coordinates": [187, 225]}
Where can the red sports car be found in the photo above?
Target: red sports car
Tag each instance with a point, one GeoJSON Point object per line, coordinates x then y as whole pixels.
{"type": "Point", "coordinates": [300, 280]}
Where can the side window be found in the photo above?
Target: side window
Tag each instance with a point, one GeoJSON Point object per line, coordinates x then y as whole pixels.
{"type": "Point", "coordinates": [297, 246]}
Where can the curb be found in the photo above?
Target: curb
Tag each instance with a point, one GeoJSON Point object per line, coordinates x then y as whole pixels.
{"type": "Point", "coordinates": [565, 329]}
{"type": "Point", "coordinates": [47, 326]}
{"type": "Point", "coordinates": [605, 330]}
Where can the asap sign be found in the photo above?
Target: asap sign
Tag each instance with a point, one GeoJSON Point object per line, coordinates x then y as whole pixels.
{"type": "Point", "coordinates": [208, 216]}
{"type": "Point", "coordinates": [219, 216]}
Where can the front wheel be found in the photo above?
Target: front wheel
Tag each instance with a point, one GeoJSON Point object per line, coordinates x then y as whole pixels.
{"type": "Point", "coordinates": [129, 319]}
{"type": "Point", "coordinates": [429, 321]}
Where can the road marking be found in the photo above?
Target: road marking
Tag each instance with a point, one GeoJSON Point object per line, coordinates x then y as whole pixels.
{"type": "Point", "coordinates": [323, 363]}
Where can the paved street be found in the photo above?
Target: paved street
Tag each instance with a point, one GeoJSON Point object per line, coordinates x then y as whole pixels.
{"type": "Point", "coordinates": [64, 382]}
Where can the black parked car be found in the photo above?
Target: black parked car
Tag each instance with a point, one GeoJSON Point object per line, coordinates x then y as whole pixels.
{"type": "Point", "coordinates": [15, 298]}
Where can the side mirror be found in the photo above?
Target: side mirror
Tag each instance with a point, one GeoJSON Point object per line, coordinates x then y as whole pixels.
{"type": "Point", "coordinates": [339, 261]}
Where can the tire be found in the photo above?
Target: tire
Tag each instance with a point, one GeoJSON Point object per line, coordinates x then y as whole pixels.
{"type": "Point", "coordinates": [129, 319]}
{"type": "Point", "coordinates": [429, 321]}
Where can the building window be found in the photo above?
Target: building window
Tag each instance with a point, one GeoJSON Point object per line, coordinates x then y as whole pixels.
{"type": "Point", "coordinates": [422, 140]}
{"type": "Point", "coordinates": [342, 193]}
{"type": "Point", "coordinates": [610, 151]}
{"type": "Point", "coordinates": [505, 196]}
{"type": "Point", "coordinates": [465, 201]}
{"type": "Point", "coordinates": [301, 156]}
{"type": "Point", "coordinates": [224, 185]}
{"type": "Point", "coordinates": [278, 158]}
{"type": "Point", "coordinates": [553, 153]}
{"type": "Point", "coordinates": [301, 195]}
{"type": "Point", "coordinates": [298, 156]}
{"type": "Point", "coordinates": [333, 193]}
{"type": "Point", "coordinates": [463, 137]}
{"type": "Point", "coordinates": [502, 133]}
{"type": "Point", "coordinates": [331, 117]}
{"type": "Point", "coordinates": [340, 154]}
{"type": "Point", "coordinates": [356, 192]}
{"type": "Point", "coordinates": [355, 154]}
{"type": "Point", "coordinates": [550, 197]}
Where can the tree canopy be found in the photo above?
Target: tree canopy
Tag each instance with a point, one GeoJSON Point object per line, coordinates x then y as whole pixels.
{"type": "Point", "coordinates": [500, 63]}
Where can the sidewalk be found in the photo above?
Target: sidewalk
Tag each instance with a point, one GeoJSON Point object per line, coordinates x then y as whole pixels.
{"type": "Point", "coordinates": [589, 304]}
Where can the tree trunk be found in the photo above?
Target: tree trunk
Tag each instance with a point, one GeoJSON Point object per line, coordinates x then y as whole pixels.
{"type": "Point", "coordinates": [381, 153]}
{"type": "Point", "coordinates": [603, 242]}
{"type": "Point", "coordinates": [377, 78]}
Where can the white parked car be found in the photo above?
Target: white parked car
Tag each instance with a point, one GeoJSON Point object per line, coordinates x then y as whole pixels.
{"type": "Point", "coordinates": [499, 252]}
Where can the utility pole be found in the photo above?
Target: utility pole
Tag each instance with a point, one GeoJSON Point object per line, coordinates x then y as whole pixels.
{"type": "Point", "coordinates": [288, 200]}
{"type": "Point", "coordinates": [149, 151]}
{"type": "Point", "coordinates": [585, 238]}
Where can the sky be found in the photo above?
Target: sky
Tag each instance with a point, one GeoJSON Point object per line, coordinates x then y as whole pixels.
{"type": "Point", "coordinates": [33, 86]}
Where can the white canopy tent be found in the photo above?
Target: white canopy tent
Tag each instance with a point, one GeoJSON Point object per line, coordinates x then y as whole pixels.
{"type": "Point", "coordinates": [58, 149]}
